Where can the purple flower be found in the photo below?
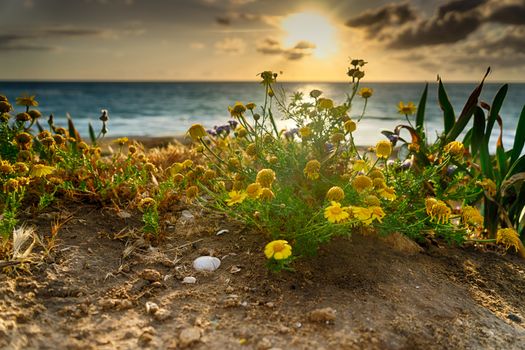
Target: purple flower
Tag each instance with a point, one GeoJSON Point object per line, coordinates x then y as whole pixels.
{"type": "Point", "coordinates": [233, 123]}
{"type": "Point", "coordinates": [211, 132]}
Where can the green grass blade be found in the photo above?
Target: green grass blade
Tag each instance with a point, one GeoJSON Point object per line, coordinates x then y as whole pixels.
{"type": "Point", "coordinates": [448, 112]}
{"type": "Point", "coordinates": [478, 130]}
{"type": "Point", "coordinates": [467, 111]}
{"type": "Point", "coordinates": [92, 135]}
{"type": "Point", "coordinates": [420, 117]}
{"type": "Point", "coordinates": [519, 139]}
{"type": "Point", "coordinates": [494, 111]}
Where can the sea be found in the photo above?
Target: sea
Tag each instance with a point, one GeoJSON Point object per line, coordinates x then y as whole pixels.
{"type": "Point", "coordinates": [170, 108]}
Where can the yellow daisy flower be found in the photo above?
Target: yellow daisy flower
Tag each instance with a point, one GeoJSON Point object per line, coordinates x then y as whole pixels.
{"type": "Point", "coordinates": [334, 213]}
{"type": "Point", "coordinates": [41, 170]}
{"type": "Point", "coordinates": [366, 92]}
{"type": "Point", "coordinates": [254, 190]}
{"type": "Point", "coordinates": [236, 197]}
{"type": "Point", "coordinates": [312, 169]}
{"type": "Point", "coordinates": [196, 132]}
{"type": "Point", "coordinates": [509, 238]}
{"type": "Point", "coordinates": [408, 109]}
{"type": "Point", "coordinates": [265, 177]}
{"type": "Point", "coordinates": [335, 193]}
{"type": "Point", "coordinates": [278, 249]}
{"type": "Point", "coordinates": [387, 193]}
{"type": "Point", "coordinates": [362, 182]}
{"type": "Point", "coordinates": [383, 149]}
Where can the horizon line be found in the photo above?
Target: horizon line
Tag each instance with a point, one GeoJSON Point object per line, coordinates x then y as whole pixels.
{"type": "Point", "coordinates": [160, 81]}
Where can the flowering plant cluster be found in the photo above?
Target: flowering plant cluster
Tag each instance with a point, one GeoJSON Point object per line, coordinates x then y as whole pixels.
{"type": "Point", "coordinates": [307, 184]}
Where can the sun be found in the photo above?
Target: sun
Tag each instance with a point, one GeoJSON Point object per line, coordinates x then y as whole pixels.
{"type": "Point", "coordinates": [313, 28]}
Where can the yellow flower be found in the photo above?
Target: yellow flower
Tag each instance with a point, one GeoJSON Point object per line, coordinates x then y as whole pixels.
{"type": "Point", "coordinates": [241, 131]}
{"type": "Point", "coordinates": [362, 182]}
{"type": "Point", "coordinates": [359, 165]}
{"type": "Point", "coordinates": [376, 174]}
{"type": "Point", "coordinates": [383, 149]}
{"type": "Point", "coordinates": [23, 138]}
{"type": "Point", "coordinates": [196, 132]}
{"type": "Point", "coordinates": [488, 185]}
{"type": "Point", "coordinates": [377, 213]}
{"type": "Point", "coordinates": [305, 132]}
{"type": "Point", "coordinates": [334, 213]}
{"type": "Point", "coordinates": [188, 163]}
{"type": "Point", "coordinates": [6, 167]}
{"type": "Point", "coordinates": [265, 177]}
{"type": "Point", "coordinates": [146, 203]}
{"type": "Point", "coordinates": [372, 200]}
{"type": "Point", "coordinates": [236, 197]}
{"type": "Point", "coordinates": [335, 193]}
{"type": "Point", "coordinates": [192, 192]}
{"type": "Point", "coordinates": [40, 170]}
{"type": "Point", "coordinates": [325, 103]}
{"type": "Point", "coordinates": [251, 150]}
{"type": "Point", "coordinates": [509, 238]}
{"type": "Point", "coordinates": [337, 137]}
{"type": "Point", "coordinates": [455, 149]}
{"type": "Point", "coordinates": [312, 169]}
{"type": "Point", "coordinates": [471, 217]}
{"type": "Point", "coordinates": [437, 210]}
{"type": "Point", "coordinates": [408, 109]}
{"type": "Point", "coordinates": [250, 106]}
{"type": "Point", "coordinates": [254, 190]}
{"type": "Point", "coordinates": [121, 141]}
{"type": "Point", "coordinates": [279, 249]}
{"type": "Point", "coordinates": [26, 100]}
{"type": "Point", "coordinates": [266, 194]}
{"type": "Point", "coordinates": [366, 92]}
{"type": "Point", "coordinates": [362, 214]}
{"type": "Point", "coordinates": [378, 183]}
{"type": "Point", "coordinates": [350, 126]}
{"type": "Point", "coordinates": [11, 185]}
{"type": "Point", "coordinates": [387, 193]}
{"type": "Point", "coordinates": [237, 110]}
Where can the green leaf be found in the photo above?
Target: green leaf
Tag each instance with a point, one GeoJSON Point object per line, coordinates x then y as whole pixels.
{"type": "Point", "coordinates": [494, 111]}
{"type": "Point", "coordinates": [72, 130]}
{"type": "Point", "coordinates": [420, 116]}
{"type": "Point", "coordinates": [478, 130]}
{"type": "Point", "coordinates": [92, 135]}
{"type": "Point", "coordinates": [467, 111]}
{"type": "Point", "coordinates": [516, 167]}
{"type": "Point", "coordinates": [519, 139]}
{"type": "Point", "coordinates": [448, 112]}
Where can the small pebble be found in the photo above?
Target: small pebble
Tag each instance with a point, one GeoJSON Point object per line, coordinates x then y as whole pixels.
{"type": "Point", "coordinates": [151, 275]}
{"type": "Point", "coordinates": [189, 280]}
{"type": "Point", "coordinates": [151, 307]}
{"type": "Point", "coordinates": [325, 315]}
{"type": "Point", "coordinates": [514, 317]}
{"type": "Point", "coordinates": [189, 336]}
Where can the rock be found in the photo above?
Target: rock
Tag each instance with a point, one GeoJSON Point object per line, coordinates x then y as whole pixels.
{"type": "Point", "coordinates": [162, 315]}
{"type": "Point", "coordinates": [264, 344]}
{"type": "Point", "coordinates": [231, 300]}
{"type": "Point", "coordinates": [151, 307]}
{"type": "Point", "coordinates": [189, 336]}
{"type": "Point", "coordinates": [186, 217]}
{"type": "Point", "coordinates": [151, 275]}
{"type": "Point", "coordinates": [324, 315]}
{"type": "Point", "coordinates": [402, 243]}
{"type": "Point", "coordinates": [206, 263]}
{"type": "Point", "coordinates": [147, 335]}
{"type": "Point", "coordinates": [189, 280]}
{"type": "Point", "coordinates": [514, 317]}
{"type": "Point", "coordinates": [235, 269]}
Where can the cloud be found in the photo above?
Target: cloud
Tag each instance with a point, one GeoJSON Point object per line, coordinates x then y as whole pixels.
{"type": "Point", "coordinates": [510, 14]}
{"type": "Point", "coordinates": [197, 46]}
{"type": "Point", "coordinates": [232, 46]}
{"type": "Point", "coordinates": [401, 26]}
{"type": "Point", "coordinates": [39, 40]}
{"type": "Point", "coordinates": [270, 46]}
{"type": "Point", "coordinates": [383, 17]}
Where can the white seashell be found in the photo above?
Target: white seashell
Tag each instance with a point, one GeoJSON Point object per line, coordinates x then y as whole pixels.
{"type": "Point", "coordinates": [189, 280]}
{"type": "Point", "coordinates": [221, 232]}
{"type": "Point", "coordinates": [206, 263]}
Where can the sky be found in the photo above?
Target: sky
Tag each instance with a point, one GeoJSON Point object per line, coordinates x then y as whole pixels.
{"type": "Point", "coordinates": [223, 40]}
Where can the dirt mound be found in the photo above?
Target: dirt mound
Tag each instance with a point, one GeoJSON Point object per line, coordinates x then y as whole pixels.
{"type": "Point", "coordinates": [359, 292]}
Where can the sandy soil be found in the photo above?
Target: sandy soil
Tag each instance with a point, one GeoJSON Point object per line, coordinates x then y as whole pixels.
{"type": "Point", "coordinates": [99, 291]}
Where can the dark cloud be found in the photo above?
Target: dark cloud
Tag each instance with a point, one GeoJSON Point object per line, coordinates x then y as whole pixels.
{"type": "Point", "coordinates": [301, 49]}
{"type": "Point", "coordinates": [401, 26]}
{"type": "Point", "coordinates": [30, 41]}
{"type": "Point", "coordinates": [459, 6]}
{"type": "Point", "coordinates": [224, 21]}
{"type": "Point", "coordinates": [386, 16]}
{"type": "Point", "coordinates": [451, 28]}
{"type": "Point", "coordinates": [510, 14]}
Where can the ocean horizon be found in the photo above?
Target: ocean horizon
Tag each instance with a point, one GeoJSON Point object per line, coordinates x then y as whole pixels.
{"type": "Point", "coordinates": [166, 108]}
